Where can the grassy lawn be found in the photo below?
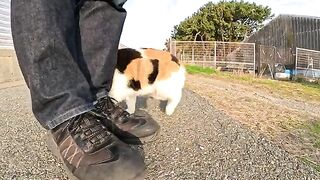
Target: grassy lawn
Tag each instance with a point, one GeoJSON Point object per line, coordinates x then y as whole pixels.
{"type": "Point", "coordinates": [310, 163]}
{"type": "Point", "coordinates": [199, 70]}
{"type": "Point", "coordinates": [314, 129]}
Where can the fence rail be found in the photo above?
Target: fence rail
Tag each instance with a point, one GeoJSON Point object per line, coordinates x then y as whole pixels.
{"type": "Point", "coordinates": [228, 55]}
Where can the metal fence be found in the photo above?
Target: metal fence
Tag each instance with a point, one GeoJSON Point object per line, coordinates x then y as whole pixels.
{"type": "Point", "coordinates": [226, 55]}
{"type": "Point", "coordinates": [308, 63]}
{"type": "Point", "coordinates": [270, 57]}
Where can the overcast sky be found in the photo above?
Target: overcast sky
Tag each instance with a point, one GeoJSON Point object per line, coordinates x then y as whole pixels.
{"type": "Point", "coordinates": [150, 22]}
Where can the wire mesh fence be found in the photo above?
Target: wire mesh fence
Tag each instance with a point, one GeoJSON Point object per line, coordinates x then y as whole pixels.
{"type": "Point", "coordinates": [225, 55]}
{"type": "Point", "coordinates": [271, 57]}
{"type": "Point", "coordinates": [308, 63]}
{"type": "Point", "coordinates": [267, 60]}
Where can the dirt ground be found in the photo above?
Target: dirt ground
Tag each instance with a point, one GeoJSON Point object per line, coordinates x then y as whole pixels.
{"type": "Point", "coordinates": [290, 121]}
{"type": "Point", "coordinates": [197, 142]}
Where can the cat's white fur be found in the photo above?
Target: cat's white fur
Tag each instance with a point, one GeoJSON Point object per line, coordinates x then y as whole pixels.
{"type": "Point", "coordinates": [169, 89]}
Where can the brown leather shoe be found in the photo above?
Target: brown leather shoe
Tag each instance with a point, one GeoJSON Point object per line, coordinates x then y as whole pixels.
{"type": "Point", "coordinates": [90, 152]}
{"type": "Point", "coordinates": [129, 128]}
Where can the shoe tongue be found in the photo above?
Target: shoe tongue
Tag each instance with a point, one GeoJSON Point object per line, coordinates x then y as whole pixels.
{"type": "Point", "coordinates": [118, 114]}
{"type": "Point", "coordinates": [105, 103]}
{"type": "Point", "coordinates": [112, 101]}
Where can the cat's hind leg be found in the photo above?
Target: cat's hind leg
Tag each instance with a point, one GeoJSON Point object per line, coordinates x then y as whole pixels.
{"type": "Point", "coordinates": [173, 101]}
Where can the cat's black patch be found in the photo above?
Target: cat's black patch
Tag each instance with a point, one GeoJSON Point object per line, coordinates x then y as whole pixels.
{"type": "Point", "coordinates": [125, 56]}
{"type": "Point", "coordinates": [174, 59]}
{"type": "Point", "coordinates": [153, 76]}
{"type": "Point", "coordinates": [135, 85]}
{"type": "Point", "coordinates": [147, 48]}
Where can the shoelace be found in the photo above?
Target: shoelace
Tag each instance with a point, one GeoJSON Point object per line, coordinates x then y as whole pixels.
{"type": "Point", "coordinates": [110, 107]}
{"type": "Point", "coordinates": [89, 132]}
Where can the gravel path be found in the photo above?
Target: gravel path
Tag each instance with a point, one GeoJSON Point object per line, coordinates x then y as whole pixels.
{"type": "Point", "coordinates": [285, 120]}
{"type": "Point", "coordinates": [197, 142]}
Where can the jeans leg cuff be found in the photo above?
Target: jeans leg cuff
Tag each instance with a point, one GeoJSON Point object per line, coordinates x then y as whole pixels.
{"type": "Point", "coordinates": [69, 114]}
{"type": "Point", "coordinates": [101, 94]}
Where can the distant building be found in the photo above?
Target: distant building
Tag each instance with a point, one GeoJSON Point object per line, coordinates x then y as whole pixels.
{"type": "Point", "coordinates": [5, 25]}
{"type": "Point", "coordinates": [277, 41]}
{"type": "Point", "coordinates": [289, 31]}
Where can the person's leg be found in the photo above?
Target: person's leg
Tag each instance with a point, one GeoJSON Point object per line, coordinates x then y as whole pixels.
{"type": "Point", "coordinates": [100, 27]}
{"type": "Point", "coordinates": [44, 38]}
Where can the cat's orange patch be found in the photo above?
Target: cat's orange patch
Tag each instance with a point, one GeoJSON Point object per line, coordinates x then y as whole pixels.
{"type": "Point", "coordinates": [140, 69]}
{"type": "Point", "coordinates": [166, 64]}
{"type": "Point", "coordinates": [156, 54]}
{"type": "Point", "coordinates": [166, 68]}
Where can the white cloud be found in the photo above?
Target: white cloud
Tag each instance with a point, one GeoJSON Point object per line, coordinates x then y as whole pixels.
{"type": "Point", "coordinates": [150, 22]}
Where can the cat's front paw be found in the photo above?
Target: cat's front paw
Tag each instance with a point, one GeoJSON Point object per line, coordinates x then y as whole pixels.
{"type": "Point", "coordinates": [169, 110]}
{"type": "Point", "coordinates": [131, 111]}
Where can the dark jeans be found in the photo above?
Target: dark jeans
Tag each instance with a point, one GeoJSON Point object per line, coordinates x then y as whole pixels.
{"type": "Point", "coordinates": [67, 53]}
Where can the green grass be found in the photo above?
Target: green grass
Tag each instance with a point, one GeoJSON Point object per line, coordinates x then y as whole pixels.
{"type": "Point", "coordinates": [310, 163]}
{"type": "Point", "coordinates": [315, 128]}
{"type": "Point", "coordinates": [192, 69]}
{"type": "Point", "coordinates": [317, 144]}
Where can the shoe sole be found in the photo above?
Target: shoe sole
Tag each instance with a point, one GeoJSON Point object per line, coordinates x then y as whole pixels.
{"type": "Point", "coordinates": [53, 147]}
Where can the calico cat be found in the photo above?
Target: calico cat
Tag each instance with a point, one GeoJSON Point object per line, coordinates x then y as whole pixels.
{"type": "Point", "coordinates": [147, 72]}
